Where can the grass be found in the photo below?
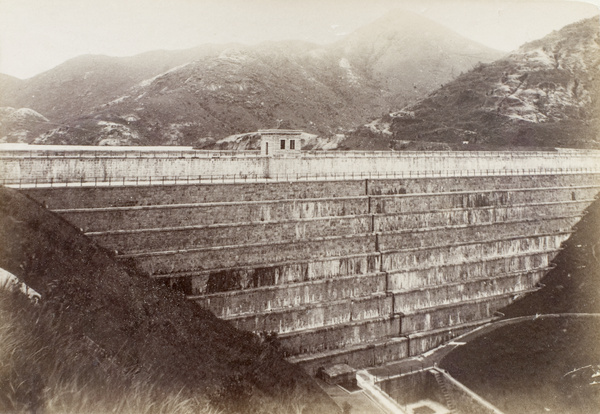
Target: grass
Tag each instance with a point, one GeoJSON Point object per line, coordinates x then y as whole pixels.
{"type": "Point", "coordinates": [46, 368]}
{"type": "Point", "coordinates": [525, 368]}
{"type": "Point", "coordinates": [103, 331]}
{"type": "Point", "coordinates": [529, 367]}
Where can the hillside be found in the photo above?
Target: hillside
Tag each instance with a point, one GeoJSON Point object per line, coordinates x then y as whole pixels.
{"type": "Point", "coordinates": [78, 85]}
{"type": "Point", "coordinates": [546, 94]}
{"type": "Point", "coordinates": [544, 364]}
{"type": "Point", "coordinates": [216, 91]}
{"type": "Point", "coordinates": [145, 329]}
{"type": "Point", "coordinates": [407, 56]}
{"type": "Point", "coordinates": [240, 90]}
{"type": "Point", "coordinates": [21, 125]}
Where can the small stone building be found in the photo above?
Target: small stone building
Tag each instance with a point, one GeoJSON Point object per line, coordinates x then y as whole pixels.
{"type": "Point", "coordinates": [280, 141]}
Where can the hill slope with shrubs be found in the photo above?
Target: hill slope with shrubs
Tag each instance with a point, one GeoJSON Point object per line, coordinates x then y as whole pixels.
{"type": "Point", "coordinates": [108, 330]}
{"type": "Point", "coordinates": [545, 94]}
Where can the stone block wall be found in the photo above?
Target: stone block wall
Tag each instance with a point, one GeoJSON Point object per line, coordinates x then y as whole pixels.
{"type": "Point", "coordinates": [442, 274]}
{"type": "Point", "coordinates": [197, 214]}
{"type": "Point", "coordinates": [40, 165]}
{"type": "Point", "coordinates": [357, 271]}
{"type": "Point", "coordinates": [412, 388]}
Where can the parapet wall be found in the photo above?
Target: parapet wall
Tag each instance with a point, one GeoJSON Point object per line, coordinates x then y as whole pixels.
{"type": "Point", "coordinates": [93, 166]}
{"type": "Point", "coordinates": [362, 271]}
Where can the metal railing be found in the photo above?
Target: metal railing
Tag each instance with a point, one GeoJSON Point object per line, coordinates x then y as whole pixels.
{"type": "Point", "coordinates": [283, 177]}
{"type": "Point", "coordinates": [187, 153]}
{"type": "Point", "coordinates": [36, 154]}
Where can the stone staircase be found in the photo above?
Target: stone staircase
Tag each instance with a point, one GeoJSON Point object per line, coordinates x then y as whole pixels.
{"type": "Point", "coordinates": [439, 379]}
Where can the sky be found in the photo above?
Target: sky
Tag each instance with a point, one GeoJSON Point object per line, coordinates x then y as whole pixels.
{"type": "Point", "coordinates": [37, 35]}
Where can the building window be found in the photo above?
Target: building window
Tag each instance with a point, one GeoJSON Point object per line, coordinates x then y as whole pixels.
{"type": "Point", "coordinates": [282, 144]}
{"type": "Point", "coordinates": [292, 144]}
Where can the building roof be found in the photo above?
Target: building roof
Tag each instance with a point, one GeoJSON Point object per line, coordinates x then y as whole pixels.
{"type": "Point", "coordinates": [280, 131]}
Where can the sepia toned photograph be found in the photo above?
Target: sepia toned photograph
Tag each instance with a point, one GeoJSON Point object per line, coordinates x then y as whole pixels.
{"type": "Point", "coordinates": [304, 207]}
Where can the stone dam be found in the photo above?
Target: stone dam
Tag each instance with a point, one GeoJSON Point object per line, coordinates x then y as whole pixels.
{"type": "Point", "coordinates": [372, 258]}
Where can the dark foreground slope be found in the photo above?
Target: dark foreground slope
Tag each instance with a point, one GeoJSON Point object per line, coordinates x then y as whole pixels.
{"type": "Point", "coordinates": [545, 364]}
{"type": "Point", "coordinates": [573, 286]}
{"type": "Point", "coordinates": [148, 331]}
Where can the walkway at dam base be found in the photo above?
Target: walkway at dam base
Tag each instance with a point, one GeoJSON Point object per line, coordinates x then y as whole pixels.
{"type": "Point", "coordinates": [358, 271]}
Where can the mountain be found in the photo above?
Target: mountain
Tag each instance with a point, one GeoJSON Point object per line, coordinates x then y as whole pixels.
{"type": "Point", "coordinates": [409, 56]}
{"type": "Point", "coordinates": [21, 125]}
{"type": "Point", "coordinates": [545, 94]}
{"type": "Point", "coordinates": [78, 85]}
{"type": "Point", "coordinates": [199, 96]}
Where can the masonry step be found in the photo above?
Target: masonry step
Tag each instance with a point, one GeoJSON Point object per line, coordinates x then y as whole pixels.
{"type": "Point", "coordinates": [228, 279]}
{"type": "Point", "coordinates": [478, 215]}
{"type": "Point", "coordinates": [339, 336]}
{"type": "Point", "coordinates": [189, 237]}
{"type": "Point", "coordinates": [446, 316]}
{"type": "Point", "coordinates": [456, 253]}
{"type": "Point", "coordinates": [448, 319]}
{"type": "Point", "coordinates": [315, 315]}
{"type": "Point", "coordinates": [182, 193]}
{"type": "Point", "coordinates": [384, 350]}
{"type": "Point", "coordinates": [156, 194]}
{"type": "Point", "coordinates": [282, 296]}
{"type": "Point", "coordinates": [387, 186]}
{"type": "Point", "coordinates": [357, 356]}
{"type": "Point", "coordinates": [204, 282]}
{"type": "Point", "coordinates": [447, 235]}
{"type": "Point", "coordinates": [97, 219]}
{"type": "Point", "coordinates": [474, 268]}
{"type": "Point", "coordinates": [421, 342]}
{"type": "Point", "coordinates": [399, 203]}
{"type": "Point", "coordinates": [446, 294]}
{"type": "Point", "coordinates": [173, 261]}
{"type": "Point", "coordinates": [94, 219]}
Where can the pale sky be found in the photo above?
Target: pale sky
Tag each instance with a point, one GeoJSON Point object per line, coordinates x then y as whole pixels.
{"type": "Point", "coordinates": [36, 35]}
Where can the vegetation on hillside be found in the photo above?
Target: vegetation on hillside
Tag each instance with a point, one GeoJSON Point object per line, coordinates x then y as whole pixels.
{"type": "Point", "coordinates": [103, 330]}
{"type": "Point", "coordinates": [45, 368]}
{"type": "Point", "coordinates": [189, 96]}
{"type": "Point", "coordinates": [546, 94]}
{"type": "Point", "coordinates": [545, 364]}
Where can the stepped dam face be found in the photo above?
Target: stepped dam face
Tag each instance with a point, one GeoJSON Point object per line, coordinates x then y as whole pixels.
{"type": "Point", "coordinates": [360, 271]}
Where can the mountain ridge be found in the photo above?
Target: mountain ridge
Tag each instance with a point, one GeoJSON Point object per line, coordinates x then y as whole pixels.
{"type": "Point", "coordinates": [544, 94]}
{"type": "Point", "coordinates": [320, 88]}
